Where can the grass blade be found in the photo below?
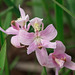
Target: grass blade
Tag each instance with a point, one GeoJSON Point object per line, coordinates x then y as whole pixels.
{"type": "Point", "coordinates": [2, 40]}
{"type": "Point", "coordinates": [6, 66]}
{"type": "Point", "coordinates": [59, 20]}
{"type": "Point", "coordinates": [66, 10]}
{"type": "Point", "coordinates": [1, 34]}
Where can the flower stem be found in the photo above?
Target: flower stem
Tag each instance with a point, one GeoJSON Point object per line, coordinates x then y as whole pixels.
{"type": "Point", "coordinates": [42, 72]}
{"type": "Point", "coordinates": [45, 71]}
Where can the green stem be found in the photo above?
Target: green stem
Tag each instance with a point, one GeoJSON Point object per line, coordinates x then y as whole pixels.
{"type": "Point", "coordinates": [42, 72]}
{"type": "Point", "coordinates": [45, 71]}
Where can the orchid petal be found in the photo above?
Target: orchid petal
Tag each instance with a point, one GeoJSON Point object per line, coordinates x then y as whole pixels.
{"type": "Point", "coordinates": [51, 63]}
{"type": "Point", "coordinates": [15, 42]}
{"type": "Point", "coordinates": [27, 18]}
{"type": "Point", "coordinates": [22, 12]}
{"type": "Point", "coordinates": [49, 33]}
{"type": "Point", "coordinates": [70, 65]}
{"type": "Point", "coordinates": [25, 37]}
{"type": "Point", "coordinates": [28, 26]}
{"type": "Point", "coordinates": [31, 48]}
{"type": "Point", "coordinates": [60, 48]}
{"type": "Point", "coordinates": [10, 30]}
{"type": "Point", "coordinates": [48, 44]}
{"type": "Point", "coordinates": [21, 22]}
{"type": "Point", "coordinates": [68, 57]}
{"type": "Point", "coordinates": [42, 56]}
{"type": "Point", "coordinates": [36, 20]}
{"type": "Point", "coordinates": [15, 25]}
{"type": "Point", "coordinates": [3, 30]}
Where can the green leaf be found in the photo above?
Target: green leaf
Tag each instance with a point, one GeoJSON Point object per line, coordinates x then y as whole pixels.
{"type": "Point", "coordinates": [6, 67]}
{"type": "Point", "coordinates": [7, 23]}
{"type": "Point", "coordinates": [2, 57]}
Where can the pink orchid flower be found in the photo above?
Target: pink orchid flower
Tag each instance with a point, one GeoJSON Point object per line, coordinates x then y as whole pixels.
{"type": "Point", "coordinates": [15, 28]}
{"type": "Point", "coordinates": [60, 59]}
{"type": "Point", "coordinates": [23, 19]}
{"type": "Point", "coordinates": [39, 41]}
